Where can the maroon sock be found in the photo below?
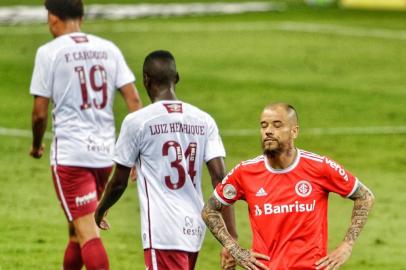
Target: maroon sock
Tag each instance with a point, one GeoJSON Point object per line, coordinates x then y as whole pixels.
{"type": "Point", "coordinates": [73, 258]}
{"type": "Point", "coordinates": [94, 255]}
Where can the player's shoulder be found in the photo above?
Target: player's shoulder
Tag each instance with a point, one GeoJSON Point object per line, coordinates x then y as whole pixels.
{"type": "Point", "coordinates": [253, 164]}
{"type": "Point", "coordinates": [101, 40]}
{"type": "Point", "coordinates": [253, 161]}
{"type": "Point", "coordinates": [193, 108]}
{"type": "Point", "coordinates": [248, 167]}
{"type": "Point", "coordinates": [103, 43]}
{"type": "Point", "coordinates": [196, 111]}
{"type": "Point", "coordinates": [310, 156]}
{"type": "Point", "coordinates": [312, 161]}
{"type": "Point", "coordinates": [145, 114]}
{"type": "Point", "coordinates": [58, 44]}
{"type": "Point", "coordinates": [47, 49]}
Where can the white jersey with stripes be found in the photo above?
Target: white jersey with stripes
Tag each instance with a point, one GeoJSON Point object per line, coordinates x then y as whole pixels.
{"type": "Point", "coordinates": [80, 73]}
{"type": "Point", "coordinates": [168, 141]}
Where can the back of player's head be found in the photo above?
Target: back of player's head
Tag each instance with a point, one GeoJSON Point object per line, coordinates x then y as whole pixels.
{"type": "Point", "coordinates": [65, 9]}
{"type": "Point", "coordinates": [160, 67]}
{"type": "Point", "coordinates": [292, 113]}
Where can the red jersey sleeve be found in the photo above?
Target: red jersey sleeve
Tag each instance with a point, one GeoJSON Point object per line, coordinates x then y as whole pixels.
{"type": "Point", "coordinates": [229, 190]}
{"type": "Point", "coordinates": [339, 180]}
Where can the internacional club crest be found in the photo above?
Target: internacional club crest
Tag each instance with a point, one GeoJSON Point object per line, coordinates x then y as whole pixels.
{"type": "Point", "coordinates": [303, 188]}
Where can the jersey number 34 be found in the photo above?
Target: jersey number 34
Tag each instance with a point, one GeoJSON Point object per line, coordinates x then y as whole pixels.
{"type": "Point", "coordinates": [190, 154]}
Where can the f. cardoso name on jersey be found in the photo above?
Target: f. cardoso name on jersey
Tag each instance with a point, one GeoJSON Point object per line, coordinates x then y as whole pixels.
{"type": "Point", "coordinates": [85, 55]}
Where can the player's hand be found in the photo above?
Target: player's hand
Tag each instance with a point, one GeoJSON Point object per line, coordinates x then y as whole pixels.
{"type": "Point", "coordinates": [248, 259]}
{"type": "Point", "coordinates": [336, 258]}
{"type": "Point", "coordinates": [227, 261]}
{"type": "Point", "coordinates": [101, 220]}
{"type": "Point", "coordinates": [133, 174]}
{"type": "Point", "coordinates": [37, 152]}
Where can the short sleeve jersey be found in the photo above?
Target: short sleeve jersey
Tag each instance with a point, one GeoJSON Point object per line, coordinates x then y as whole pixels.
{"type": "Point", "coordinates": [288, 208]}
{"type": "Point", "coordinates": [168, 141]}
{"type": "Point", "coordinates": [80, 73]}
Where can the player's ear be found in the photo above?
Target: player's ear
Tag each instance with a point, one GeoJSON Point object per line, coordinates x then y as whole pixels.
{"type": "Point", "coordinates": [53, 24]}
{"type": "Point", "coordinates": [295, 132]}
{"type": "Point", "coordinates": [177, 78]}
{"type": "Point", "coordinates": [52, 19]}
{"type": "Point", "coordinates": [146, 80]}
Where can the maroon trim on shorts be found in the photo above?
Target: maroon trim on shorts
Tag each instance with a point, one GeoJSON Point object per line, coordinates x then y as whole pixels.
{"type": "Point", "coordinates": [57, 180]}
{"type": "Point", "coordinates": [170, 259]}
{"type": "Point", "coordinates": [60, 194]}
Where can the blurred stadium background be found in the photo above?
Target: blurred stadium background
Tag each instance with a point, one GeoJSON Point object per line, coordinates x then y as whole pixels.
{"type": "Point", "coordinates": [342, 65]}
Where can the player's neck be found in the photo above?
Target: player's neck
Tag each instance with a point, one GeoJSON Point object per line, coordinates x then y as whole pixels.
{"type": "Point", "coordinates": [282, 160]}
{"type": "Point", "coordinates": [69, 26]}
{"type": "Point", "coordinates": [164, 93]}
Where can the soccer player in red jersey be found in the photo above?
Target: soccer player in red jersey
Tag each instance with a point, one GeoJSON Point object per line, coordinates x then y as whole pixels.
{"type": "Point", "coordinates": [287, 190]}
{"type": "Point", "coordinates": [80, 74]}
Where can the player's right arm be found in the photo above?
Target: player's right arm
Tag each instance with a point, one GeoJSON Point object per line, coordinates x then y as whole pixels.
{"type": "Point", "coordinates": [126, 151]}
{"type": "Point", "coordinates": [114, 190]}
{"type": "Point", "coordinates": [216, 169]}
{"type": "Point", "coordinates": [39, 125]}
{"type": "Point", "coordinates": [211, 215]}
{"type": "Point", "coordinates": [125, 82]}
{"type": "Point", "coordinates": [41, 90]}
{"type": "Point", "coordinates": [131, 97]}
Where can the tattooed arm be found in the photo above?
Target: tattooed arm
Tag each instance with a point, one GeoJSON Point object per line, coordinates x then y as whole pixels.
{"type": "Point", "coordinates": [217, 172]}
{"type": "Point", "coordinates": [211, 215]}
{"type": "Point", "coordinates": [363, 202]}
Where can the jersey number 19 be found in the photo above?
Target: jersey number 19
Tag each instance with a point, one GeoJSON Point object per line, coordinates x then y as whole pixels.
{"type": "Point", "coordinates": [98, 82]}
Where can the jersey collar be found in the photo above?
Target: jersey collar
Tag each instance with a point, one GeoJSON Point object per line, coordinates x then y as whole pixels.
{"type": "Point", "coordinates": [286, 170]}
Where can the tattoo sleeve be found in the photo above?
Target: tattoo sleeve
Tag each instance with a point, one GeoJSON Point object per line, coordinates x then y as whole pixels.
{"type": "Point", "coordinates": [363, 202]}
{"type": "Point", "coordinates": [211, 215]}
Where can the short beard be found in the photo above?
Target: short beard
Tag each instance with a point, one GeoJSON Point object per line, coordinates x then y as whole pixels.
{"type": "Point", "coordinates": [272, 153]}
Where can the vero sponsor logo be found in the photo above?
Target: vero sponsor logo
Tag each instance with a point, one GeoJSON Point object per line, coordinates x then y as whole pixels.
{"type": "Point", "coordinates": [86, 198]}
{"type": "Point", "coordinates": [337, 168]}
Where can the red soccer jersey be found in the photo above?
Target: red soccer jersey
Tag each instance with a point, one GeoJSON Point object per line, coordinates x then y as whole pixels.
{"type": "Point", "coordinates": [288, 208]}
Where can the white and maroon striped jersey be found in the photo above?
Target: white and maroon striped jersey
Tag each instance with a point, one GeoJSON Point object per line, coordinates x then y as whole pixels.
{"type": "Point", "coordinates": [168, 141]}
{"type": "Point", "coordinates": [80, 73]}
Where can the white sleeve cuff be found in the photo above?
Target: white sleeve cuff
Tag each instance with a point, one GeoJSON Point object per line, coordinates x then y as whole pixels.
{"type": "Point", "coordinates": [356, 184]}
{"type": "Point", "coordinates": [219, 198]}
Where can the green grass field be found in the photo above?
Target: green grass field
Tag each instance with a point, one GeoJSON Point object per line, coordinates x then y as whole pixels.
{"type": "Point", "coordinates": [40, 2]}
{"type": "Point", "coordinates": [231, 66]}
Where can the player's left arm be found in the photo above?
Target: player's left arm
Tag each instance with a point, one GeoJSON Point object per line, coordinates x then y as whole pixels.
{"type": "Point", "coordinates": [363, 201]}
{"type": "Point", "coordinates": [131, 97]}
{"type": "Point", "coordinates": [39, 125]}
{"type": "Point", "coordinates": [114, 190]}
